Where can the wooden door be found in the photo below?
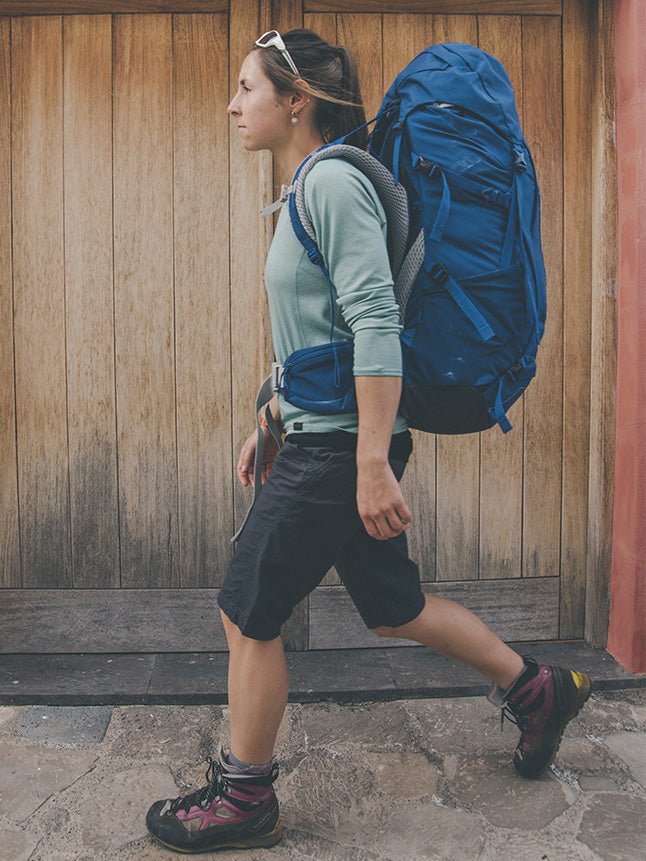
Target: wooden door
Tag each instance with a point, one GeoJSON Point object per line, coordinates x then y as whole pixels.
{"type": "Point", "coordinates": [134, 328]}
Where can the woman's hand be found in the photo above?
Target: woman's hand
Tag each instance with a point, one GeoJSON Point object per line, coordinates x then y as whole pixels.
{"type": "Point", "coordinates": [381, 504]}
{"type": "Point", "coordinates": [248, 454]}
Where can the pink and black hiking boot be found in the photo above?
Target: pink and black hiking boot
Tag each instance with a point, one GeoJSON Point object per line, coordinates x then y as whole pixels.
{"type": "Point", "coordinates": [233, 811]}
{"type": "Point", "coordinates": [541, 703]}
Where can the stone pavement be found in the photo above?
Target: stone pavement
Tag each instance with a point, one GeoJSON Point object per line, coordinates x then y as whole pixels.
{"type": "Point", "coordinates": [407, 780]}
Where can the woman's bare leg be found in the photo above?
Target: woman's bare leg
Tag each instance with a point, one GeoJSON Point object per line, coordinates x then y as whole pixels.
{"type": "Point", "coordinates": [257, 693]}
{"type": "Point", "coordinates": [455, 632]}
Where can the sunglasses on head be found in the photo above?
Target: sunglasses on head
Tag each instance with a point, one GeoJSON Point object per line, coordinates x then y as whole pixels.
{"type": "Point", "coordinates": [273, 39]}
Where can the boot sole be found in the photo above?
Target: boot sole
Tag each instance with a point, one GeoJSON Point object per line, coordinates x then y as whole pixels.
{"type": "Point", "coordinates": [584, 689]}
{"type": "Point", "coordinates": [262, 841]}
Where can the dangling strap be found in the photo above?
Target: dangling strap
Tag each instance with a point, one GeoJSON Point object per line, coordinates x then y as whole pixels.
{"type": "Point", "coordinates": [441, 275]}
{"type": "Point", "coordinates": [265, 394]}
{"type": "Point", "coordinates": [285, 191]}
{"type": "Point", "coordinates": [497, 411]}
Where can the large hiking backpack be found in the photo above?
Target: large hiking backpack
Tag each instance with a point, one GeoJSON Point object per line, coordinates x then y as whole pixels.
{"type": "Point", "coordinates": [469, 279]}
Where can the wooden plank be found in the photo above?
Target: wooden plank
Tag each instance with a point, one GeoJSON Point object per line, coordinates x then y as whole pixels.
{"type": "Point", "coordinates": [322, 24]}
{"type": "Point", "coordinates": [286, 15]}
{"type": "Point", "coordinates": [202, 297]}
{"type": "Point", "coordinates": [501, 465]}
{"type": "Point", "coordinates": [250, 189]}
{"type": "Point", "coordinates": [519, 609]}
{"type": "Point", "coordinates": [187, 620]}
{"type": "Point", "coordinates": [144, 325]}
{"type": "Point", "coordinates": [404, 37]}
{"type": "Point", "coordinates": [604, 329]}
{"type": "Point", "coordinates": [458, 457]}
{"type": "Point", "coordinates": [577, 310]}
{"type": "Point", "coordinates": [463, 7]}
{"type": "Point", "coordinates": [39, 300]}
{"type": "Point", "coordinates": [89, 300]}
{"type": "Point", "coordinates": [97, 7]}
{"type": "Point", "coordinates": [110, 620]}
{"type": "Point", "coordinates": [543, 399]}
{"type": "Point", "coordinates": [361, 34]}
{"type": "Point", "coordinates": [9, 537]}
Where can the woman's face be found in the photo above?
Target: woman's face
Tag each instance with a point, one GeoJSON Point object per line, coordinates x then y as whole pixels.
{"type": "Point", "coordinates": [261, 115]}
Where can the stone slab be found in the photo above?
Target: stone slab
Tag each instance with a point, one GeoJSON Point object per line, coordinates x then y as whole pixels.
{"type": "Point", "coordinates": [65, 726]}
{"type": "Point", "coordinates": [614, 826]}
{"type": "Point", "coordinates": [340, 675]}
{"type": "Point", "coordinates": [488, 784]}
{"type": "Point", "coordinates": [74, 679]}
{"type": "Point", "coordinates": [30, 774]}
{"type": "Point", "coordinates": [17, 844]}
{"type": "Point", "coordinates": [315, 676]}
{"type": "Point", "coordinates": [189, 677]}
{"type": "Point", "coordinates": [631, 748]}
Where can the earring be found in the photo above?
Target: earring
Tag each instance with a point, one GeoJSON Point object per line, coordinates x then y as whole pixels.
{"type": "Point", "coordinates": [294, 119]}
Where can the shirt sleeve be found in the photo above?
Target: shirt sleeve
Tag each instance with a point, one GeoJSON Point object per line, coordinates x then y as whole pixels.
{"type": "Point", "coordinates": [350, 227]}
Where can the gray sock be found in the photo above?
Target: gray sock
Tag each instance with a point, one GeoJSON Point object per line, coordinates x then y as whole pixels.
{"type": "Point", "coordinates": [248, 768]}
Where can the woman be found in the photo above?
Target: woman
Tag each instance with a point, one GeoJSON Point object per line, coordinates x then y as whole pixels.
{"type": "Point", "coordinates": [331, 495]}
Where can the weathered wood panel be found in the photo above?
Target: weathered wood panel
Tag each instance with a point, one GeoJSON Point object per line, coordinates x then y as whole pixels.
{"type": "Point", "coordinates": [110, 620]}
{"type": "Point", "coordinates": [323, 24]}
{"type": "Point", "coordinates": [458, 457]}
{"type": "Point", "coordinates": [359, 34]}
{"type": "Point", "coordinates": [544, 398]}
{"type": "Point", "coordinates": [250, 179]}
{"type": "Point", "coordinates": [97, 7]}
{"type": "Point", "coordinates": [89, 300]}
{"type": "Point", "coordinates": [516, 609]}
{"type": "Point", "coordinates": [603, 335]}
{"type": "Point", "coordinates": [577, 310]}
{"type": "Point", "coordinates": [9, 538]}
{"type": "Point", "coordinates": [143, 282]}
{"type": "Point", "coordinates": [468, 7]}
{"type": "Point", "coordinates": [180, 419]}
{"type": "Point", "coordinates": [501, 464]}
{"type": "Point", "coordinates": [202, 298]}
{"type": "Point", "coordinates": [39, 300]}
{"type": "Point", "coordinates": [187, 620]}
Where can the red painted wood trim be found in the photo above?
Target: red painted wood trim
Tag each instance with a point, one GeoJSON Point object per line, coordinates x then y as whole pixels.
{"type": "Point", "coordinates": [627, 632]}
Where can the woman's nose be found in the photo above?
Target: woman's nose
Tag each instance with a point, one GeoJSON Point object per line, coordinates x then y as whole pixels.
{"type": "Point", "coordinates": [233, 108]}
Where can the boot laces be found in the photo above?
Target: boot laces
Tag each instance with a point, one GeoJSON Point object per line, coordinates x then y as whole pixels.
{"type": "Point", "coordinates": [216, 786]}
{"type": "Point", "coordinates": [514, 714]}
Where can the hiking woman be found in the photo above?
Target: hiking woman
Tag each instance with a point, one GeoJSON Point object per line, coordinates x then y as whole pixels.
{"type": "Point", "coordinates": [331, 494]}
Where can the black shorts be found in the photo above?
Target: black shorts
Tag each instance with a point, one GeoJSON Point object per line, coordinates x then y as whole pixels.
{"type": "Point", "coordinates": [304, 521]}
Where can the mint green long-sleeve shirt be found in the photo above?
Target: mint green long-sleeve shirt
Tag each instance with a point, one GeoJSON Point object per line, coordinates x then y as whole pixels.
{"type": "Point", "coordinates": [350, 226]}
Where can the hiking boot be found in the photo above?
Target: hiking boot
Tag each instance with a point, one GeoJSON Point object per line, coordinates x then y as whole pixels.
{"type": "Point", "coordinates": [233, 811]}
{"type": "Point", "coordinates": [541, 703]}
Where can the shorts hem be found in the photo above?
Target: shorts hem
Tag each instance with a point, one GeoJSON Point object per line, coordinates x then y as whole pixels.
{"type": "Point", "coordinates": [399, 624]}
{"type": "Point", "coordinates": [235, 614]}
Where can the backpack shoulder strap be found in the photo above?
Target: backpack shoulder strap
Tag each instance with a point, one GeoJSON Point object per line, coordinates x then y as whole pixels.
{"type": "Point", "coordinates": [392, 196]}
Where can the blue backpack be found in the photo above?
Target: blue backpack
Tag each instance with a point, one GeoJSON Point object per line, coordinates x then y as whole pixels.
{"type": "Point", "coordinates": [453, 171]}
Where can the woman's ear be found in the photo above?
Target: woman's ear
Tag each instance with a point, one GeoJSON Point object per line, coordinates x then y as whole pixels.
{"type": "Point", "coordinates": [298, 100]}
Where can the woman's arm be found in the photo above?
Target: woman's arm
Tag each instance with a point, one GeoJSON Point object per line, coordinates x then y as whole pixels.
{"type": "Point", "coordinates": [381, 505]}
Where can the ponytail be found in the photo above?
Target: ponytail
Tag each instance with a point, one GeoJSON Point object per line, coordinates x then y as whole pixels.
{"type": "Point", "coordinates": [329, 73]}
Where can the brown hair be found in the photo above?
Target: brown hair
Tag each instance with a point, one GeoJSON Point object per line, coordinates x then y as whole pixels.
{"type": "Point", "coordinates": [330, 75]}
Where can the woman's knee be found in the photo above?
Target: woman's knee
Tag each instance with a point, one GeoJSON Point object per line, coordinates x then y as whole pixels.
{"type": "Point", "coordinates": [405, 631]}
{"type": "Point", "coordinates": [231, 630]}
